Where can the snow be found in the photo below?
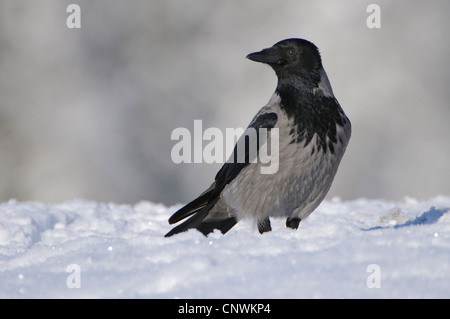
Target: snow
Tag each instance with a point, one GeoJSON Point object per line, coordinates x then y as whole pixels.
{"type": "Point", "coordinates": [345, 249]}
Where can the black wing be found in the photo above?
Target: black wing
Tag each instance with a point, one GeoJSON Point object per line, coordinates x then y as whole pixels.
{"type": "Point", "coordinates": [231, 169]}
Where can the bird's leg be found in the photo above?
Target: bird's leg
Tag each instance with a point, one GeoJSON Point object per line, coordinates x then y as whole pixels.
{"type": "Point", "coordinates": [264, 225]}
{"type": "Point", "coordinates": [293, 222]}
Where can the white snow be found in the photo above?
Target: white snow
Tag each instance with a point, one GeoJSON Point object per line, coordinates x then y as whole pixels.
{"type": "Point", "coordinates": [400, 249]}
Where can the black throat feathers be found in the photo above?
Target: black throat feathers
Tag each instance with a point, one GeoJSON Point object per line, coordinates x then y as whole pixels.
{"type": "Point", "coordinates": [312, 113]}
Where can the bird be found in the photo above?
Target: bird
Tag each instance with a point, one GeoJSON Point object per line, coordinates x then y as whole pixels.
{"type": "Point", "coordinates": [313, 134]}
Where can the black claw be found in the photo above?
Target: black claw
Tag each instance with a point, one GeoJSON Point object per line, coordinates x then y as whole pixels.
{"type": "Point", "coordinates": [293, 222]}
{"type": "Point", "coordinates": [264, 226]}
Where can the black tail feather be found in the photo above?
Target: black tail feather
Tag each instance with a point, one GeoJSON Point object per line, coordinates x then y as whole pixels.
{"type": "Point", "coordinates": [205, 228]}
{"type": "Point", "coordinates": [191, 208]}
{"type": "Point", "coordinates": [223, 225]}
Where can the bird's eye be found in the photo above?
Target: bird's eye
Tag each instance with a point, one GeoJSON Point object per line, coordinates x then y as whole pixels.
{"type": "Point", "coordinates": [291, 52]}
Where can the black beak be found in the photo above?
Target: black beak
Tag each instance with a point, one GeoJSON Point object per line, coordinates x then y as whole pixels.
{"type": "Point", "coordinates": [268, 56]}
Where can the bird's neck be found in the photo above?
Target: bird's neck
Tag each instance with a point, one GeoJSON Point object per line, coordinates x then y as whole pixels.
{"type": "Point", "coordinates": [305, 84]}
{"type": "Point", "coordinates": [296, 91]}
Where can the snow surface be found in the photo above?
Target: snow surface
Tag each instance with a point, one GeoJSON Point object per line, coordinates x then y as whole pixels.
{"type": "Point", "coordinates": [121, 253]}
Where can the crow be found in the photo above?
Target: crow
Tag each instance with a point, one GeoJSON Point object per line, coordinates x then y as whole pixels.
{"type": "Point", "coordinates": [312, 135]}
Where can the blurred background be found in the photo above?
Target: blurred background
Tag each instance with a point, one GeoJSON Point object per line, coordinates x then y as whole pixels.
{"type": "Point", "coordinates": [88, 113]}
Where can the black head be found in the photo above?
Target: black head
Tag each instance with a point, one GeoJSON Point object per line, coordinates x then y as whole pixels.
{"type": "Point", "coordinates": [291, 57]}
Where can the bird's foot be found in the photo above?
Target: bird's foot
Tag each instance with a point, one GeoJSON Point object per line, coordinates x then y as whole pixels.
{"type": "Point", "coordinates": [264, 226]}
{"type": "Point", "coordinates": [293, 222]}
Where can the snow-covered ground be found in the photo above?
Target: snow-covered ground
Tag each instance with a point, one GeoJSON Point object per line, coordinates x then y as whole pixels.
{"type": "Point", "coordinates": [361, 248]}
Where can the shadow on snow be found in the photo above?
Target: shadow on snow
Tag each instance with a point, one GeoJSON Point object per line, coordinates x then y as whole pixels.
{"type": "Point", "coordinates": [429, 217]}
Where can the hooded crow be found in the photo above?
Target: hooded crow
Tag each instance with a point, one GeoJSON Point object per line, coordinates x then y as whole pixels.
{"type": "Point", "coordinates": [313, 133]}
